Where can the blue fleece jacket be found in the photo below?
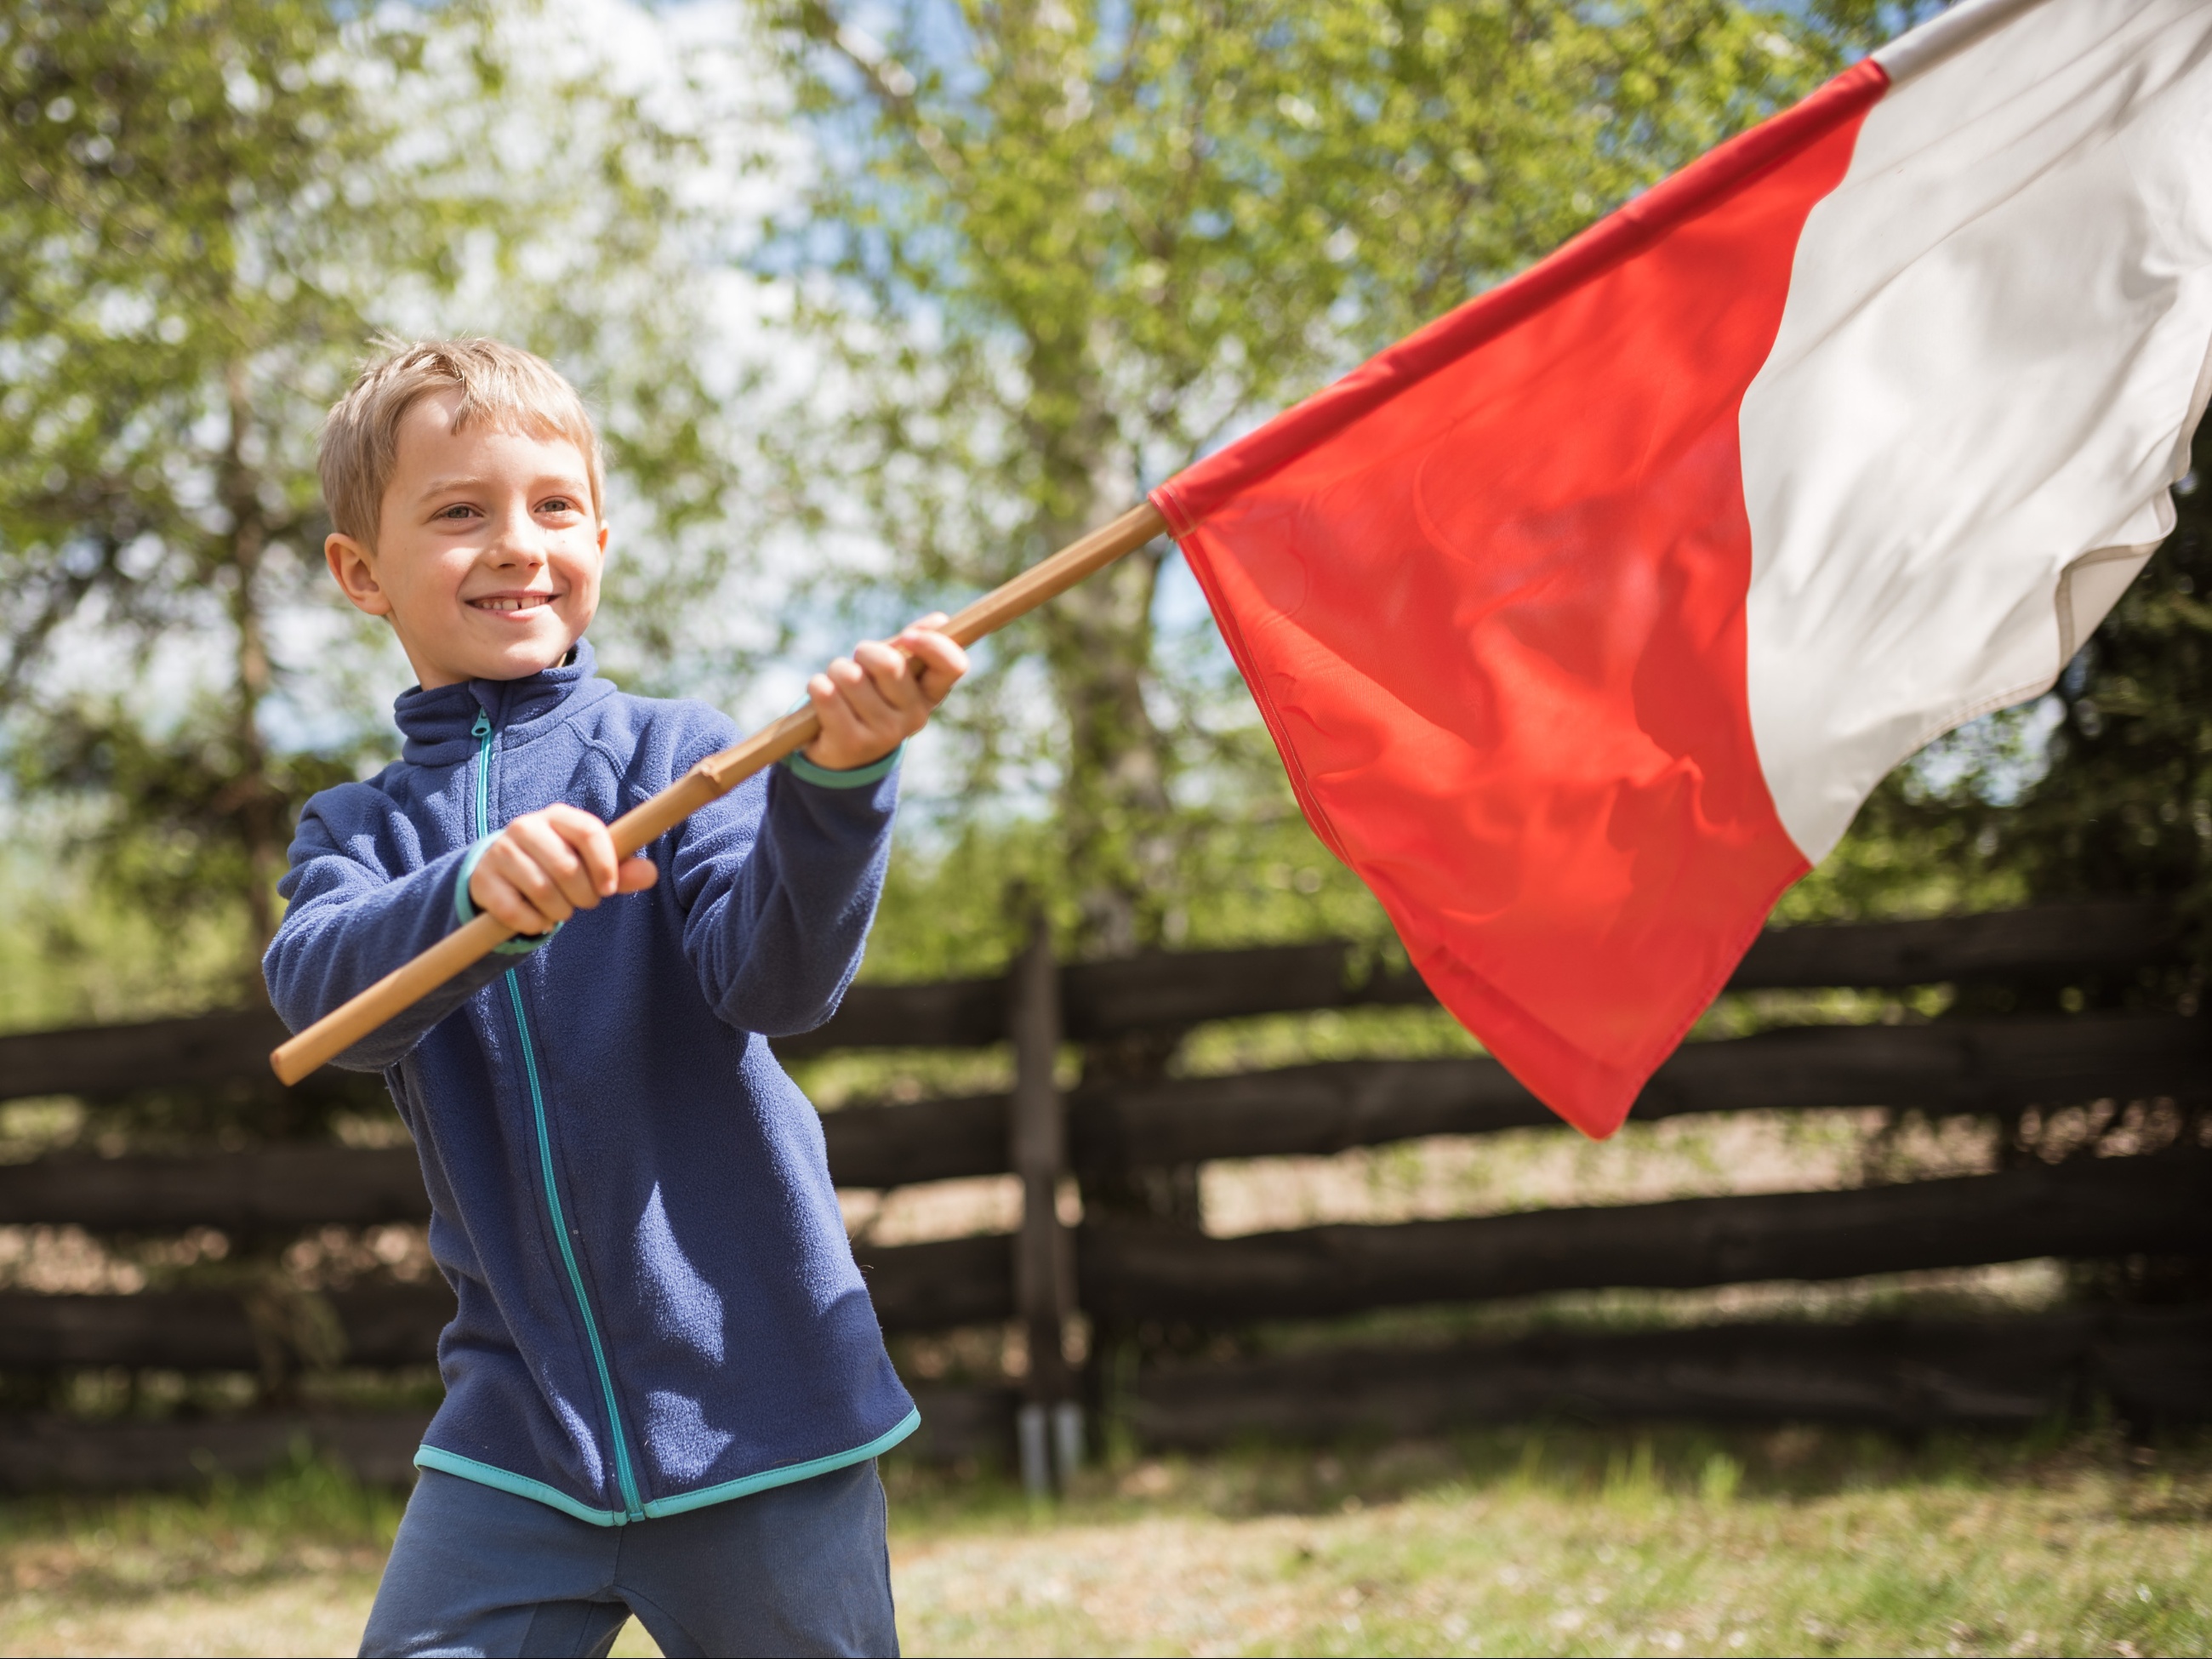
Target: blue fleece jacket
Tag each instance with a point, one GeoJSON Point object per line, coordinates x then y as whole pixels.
{"type": "Point", "coordinates": [658, 1307]}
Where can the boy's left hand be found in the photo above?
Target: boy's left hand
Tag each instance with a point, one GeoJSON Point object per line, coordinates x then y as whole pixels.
{"type": "Point", "coordinates": [873, 701]}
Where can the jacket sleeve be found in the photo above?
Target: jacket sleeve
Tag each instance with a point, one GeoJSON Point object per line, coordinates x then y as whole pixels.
{"type": "Point", "coordinates": [350, 923]}
{"type": "Point", "coordinates": [778, 882]}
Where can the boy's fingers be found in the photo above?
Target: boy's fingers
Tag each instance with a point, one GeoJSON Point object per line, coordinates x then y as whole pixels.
{"type": "Point", "coordinates": [537, 840]}
{"type": "Point", "coordinates": [884, 663]}
{"type": "Point", "coordinates": [846, 677]}
{"type": "Point", "coordinates": [592, 843]}
{"type": "Point", "coordinates": [934, 647]}
{"type": "Point", "coordinates": [548, 864]}
{"type": "Point", "coordinates": [534, 837]}
{"type": "Point", "coordinates": [494, 893]}
{"type": "Point", "coordinates": [535, 887]}
{"type": "Point", "coordinates": [870, 703]}
{"type": "Point", "coordinates": [876, 687]}
{"type": "Point", "coordinates": [940, 660]}
{"type": "Point", "coordinates": [832, 708]}
{"type": "Point", "coordinates": [542, 839]}
{"type": "Point", "coordinates": [495, 898]}
{"type": "Point", "coordinates": [894, 680]}
{"type": "Point", "coordinates": [875, 674]}
{"type": "Point", "coordinates": [830, 702]}
{"type": "Point", "coordinates": [512, 910]}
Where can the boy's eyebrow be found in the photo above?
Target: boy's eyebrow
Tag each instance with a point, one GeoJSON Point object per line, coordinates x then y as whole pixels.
{"type": "Point", "coordinates": [439, 486]}
{"type": "Point", "coordinates": [569, 482]}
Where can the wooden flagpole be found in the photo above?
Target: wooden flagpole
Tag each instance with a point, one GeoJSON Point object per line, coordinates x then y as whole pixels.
{"type": "Point", "coordinates": [710, 780]}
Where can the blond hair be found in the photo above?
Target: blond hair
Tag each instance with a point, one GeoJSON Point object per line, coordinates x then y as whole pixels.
{"type": "Point", "coordinates": [508, 388]}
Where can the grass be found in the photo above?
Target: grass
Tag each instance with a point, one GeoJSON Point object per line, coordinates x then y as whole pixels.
{"type": "Point", "coordinates": [1561, 1541]}
{"type": "Point", "coordinates": [1579, 1542]}
{"type": "Point", "coordinates": [282, 1566]}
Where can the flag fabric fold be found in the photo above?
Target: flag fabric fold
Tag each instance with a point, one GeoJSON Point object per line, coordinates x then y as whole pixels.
{"type": "Point", "coordinates": [1587, 616]}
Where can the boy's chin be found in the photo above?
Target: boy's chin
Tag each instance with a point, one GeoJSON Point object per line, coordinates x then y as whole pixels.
{"type": "Point", "coordinates": [518, 660]}
{"type": "Point", "coordinates": [520, 663]}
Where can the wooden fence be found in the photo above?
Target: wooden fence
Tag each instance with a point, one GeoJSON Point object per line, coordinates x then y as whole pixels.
{"type": "Point", "coordinates": [2155, 1365]}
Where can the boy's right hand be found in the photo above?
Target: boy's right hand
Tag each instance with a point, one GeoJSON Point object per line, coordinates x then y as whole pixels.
{"type": "Point", "coordinates": [548, 864]}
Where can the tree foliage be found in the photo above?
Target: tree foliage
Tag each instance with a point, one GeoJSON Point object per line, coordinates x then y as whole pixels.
{"type": "Point", "coordinates": [208, 209]}
{"type": "Point", "coordinates": [2103, 785]}
{"type": "Point", "coordinates": [1064, 248]}
{"type": "Point", "coordinates": [169, 272]}
{"type": "Point", "coordinates": [2124, 800]}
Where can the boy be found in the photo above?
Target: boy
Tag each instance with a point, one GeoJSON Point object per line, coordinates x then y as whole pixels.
{"type": "Point", "coordinates": [665, 1386]}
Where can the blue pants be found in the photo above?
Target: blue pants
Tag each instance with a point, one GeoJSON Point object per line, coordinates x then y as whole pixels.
{"type": "Point", "coordinates": [802, 1569]}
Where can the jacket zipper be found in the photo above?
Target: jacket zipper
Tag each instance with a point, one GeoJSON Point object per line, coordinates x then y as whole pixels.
{"type": "Point", "coordinates": [481, 731]}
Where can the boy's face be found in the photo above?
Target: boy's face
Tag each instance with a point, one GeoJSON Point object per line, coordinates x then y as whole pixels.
{"type": "Point", "coordinates": [488, 552]}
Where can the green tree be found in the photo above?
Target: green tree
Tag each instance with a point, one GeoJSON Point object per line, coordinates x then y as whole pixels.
{"type": "Point", "coordinates": [2124, 803]}
{"type": "Point", "coordinates": [1071, 247]}
{"type": "Point", "coordinates": [207, 208]}
{"type": "Point", "coordinates": [2103, 785]}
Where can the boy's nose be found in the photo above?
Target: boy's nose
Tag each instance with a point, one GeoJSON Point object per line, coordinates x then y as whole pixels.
{"type": "Point", "coordinates": [518, 539]}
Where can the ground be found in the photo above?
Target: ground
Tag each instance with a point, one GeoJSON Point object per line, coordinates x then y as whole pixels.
{"type": "Point", "coordinates": [1559, 1540]}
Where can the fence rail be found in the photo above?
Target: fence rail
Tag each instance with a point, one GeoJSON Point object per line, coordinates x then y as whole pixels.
{"type": "Point", "coordinates": [2123, 1206]}
{"type": "Point", "coordinates": [1168, 990]}
{"type": "Point", "coordinates": [2001, 1066]}
{"type": "Point", "coordinates": [1122, 1271]}
{"type": "Point", "coordinates": [2154, 1364]}
{"type": "Point", "coordinates": [2154, 1205]}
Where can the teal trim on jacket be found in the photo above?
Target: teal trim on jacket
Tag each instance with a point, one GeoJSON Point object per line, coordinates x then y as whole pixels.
{"type": "Point", "coordinates": [854, 777]}
{"type": "Point", "coordinates": [429, 1457]}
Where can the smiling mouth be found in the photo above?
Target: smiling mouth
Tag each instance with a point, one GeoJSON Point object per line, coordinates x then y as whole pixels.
{"type": "Point", "coordinates": [513, 602]}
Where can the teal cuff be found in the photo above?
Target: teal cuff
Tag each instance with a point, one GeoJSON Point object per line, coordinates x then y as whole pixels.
{"type": "Point", "coordinates": [465, 913]}
{"type": "Point", "coordinates": [807, 771]}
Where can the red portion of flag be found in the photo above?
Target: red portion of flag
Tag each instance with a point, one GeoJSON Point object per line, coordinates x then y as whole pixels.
{"type": "Point", "coordinates": [1488, 592]}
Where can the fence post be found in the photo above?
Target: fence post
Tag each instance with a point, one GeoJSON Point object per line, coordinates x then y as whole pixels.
{"type": "Point", "coordinates": [1050, 1423]}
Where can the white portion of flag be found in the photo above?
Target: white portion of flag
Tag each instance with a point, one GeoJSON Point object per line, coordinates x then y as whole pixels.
{"type": "Point", "coordinates": [1992, 356]}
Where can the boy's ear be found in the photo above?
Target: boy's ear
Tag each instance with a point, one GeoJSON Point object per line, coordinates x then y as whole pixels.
{"type": "Point", "coordinates": [355, 570]}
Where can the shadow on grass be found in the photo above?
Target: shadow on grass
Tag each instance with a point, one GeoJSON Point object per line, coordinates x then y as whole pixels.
{"type": "Point", "coordinates": [312, 1516]}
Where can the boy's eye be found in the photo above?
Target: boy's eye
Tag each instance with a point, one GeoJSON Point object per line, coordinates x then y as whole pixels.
{"type": "Point", "coordinates": [558, 504]}
{"type": "Point", "coordinates": [457, 511]}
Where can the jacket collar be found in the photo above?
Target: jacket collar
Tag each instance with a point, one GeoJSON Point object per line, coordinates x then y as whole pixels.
{"type": "Point", "coordinates": [438, 727]}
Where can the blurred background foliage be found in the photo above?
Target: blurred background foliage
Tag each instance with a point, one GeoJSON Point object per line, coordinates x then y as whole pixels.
{"type": "Point", "coordinates": [211, 208]}
{"type": "Point", "coordinates": [1054, 251]}
{"type": "Point", "coordinates": [876, 303]}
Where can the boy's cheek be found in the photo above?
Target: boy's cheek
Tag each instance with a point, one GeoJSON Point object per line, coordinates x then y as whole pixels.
{"type": "Point", "coordinates": [583, 604]}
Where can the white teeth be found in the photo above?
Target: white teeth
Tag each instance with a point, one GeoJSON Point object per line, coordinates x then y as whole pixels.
{"type": "Point", "coordinates": [526, 602]}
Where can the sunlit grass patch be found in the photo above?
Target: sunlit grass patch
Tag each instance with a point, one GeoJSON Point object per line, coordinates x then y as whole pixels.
{"type": "Point", "coordinates": [1578, 1542]}
{"type": "Point", "coordinates": [1550, 1538]}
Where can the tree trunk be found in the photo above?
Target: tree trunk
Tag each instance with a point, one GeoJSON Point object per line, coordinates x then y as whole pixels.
{"type": "Point", "coordinates": [1098, 647]}
{"type": "Point", "coordinates": [1114, 807]}
{"type": "Point", "coordinates": [1114, 800]}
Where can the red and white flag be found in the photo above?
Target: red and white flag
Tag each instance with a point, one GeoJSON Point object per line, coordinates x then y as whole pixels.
{"type": "Point", "coordinates": [1586, 617]}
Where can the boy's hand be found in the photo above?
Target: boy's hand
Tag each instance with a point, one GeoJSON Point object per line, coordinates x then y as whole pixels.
{"type": "Point", "coordinates": [547, 866]}
{"type": "Point", "coordinates": [874, 700]}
